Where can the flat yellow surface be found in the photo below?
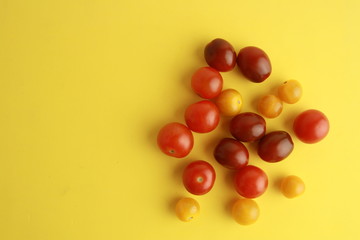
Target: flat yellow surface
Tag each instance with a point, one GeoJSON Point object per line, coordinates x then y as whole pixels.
{"type": "Point", "coordinates": [85, 86]}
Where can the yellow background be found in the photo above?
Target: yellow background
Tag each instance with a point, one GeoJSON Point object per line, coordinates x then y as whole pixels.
{"type": "Point", "coordinates": [85, 86]}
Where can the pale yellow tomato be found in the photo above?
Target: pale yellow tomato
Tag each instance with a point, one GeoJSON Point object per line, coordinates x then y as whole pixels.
{"type": "Point", "coordinates": [270, 106]}
{"type": "Point", "coordinates": [290, 91]}
{"type": "Point", "coordinates": [229, 102]}
{"type": "Point", "coordinates": [187, 209]}
{"type": "Point", "coordinates": [292, 186]}
{"type": "Point", "coordinates": [245, 211]}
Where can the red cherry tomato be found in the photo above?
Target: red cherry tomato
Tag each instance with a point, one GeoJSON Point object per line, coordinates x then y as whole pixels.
{"type": "Point", "coordinates": [202, 117]}
{"type": "Point", "coordinates": [231, 153]}
{"type": "Point", "coordinates": [251, 181]}
{"type": "Point", "coordinates": [220, 55]}
{"type": "Point", "coordinates": [199, 177]}
{"type": "Point", "coordinates": [311, 126]}
{"type": "Point", "coordinates": [254, 64]}
{"type": "Point", "coordinates": [175, 139]}
{"type": "Point", "coordinates": [248, 127]}
{"type": "Point", "coordinates": [275, 146]}
{"type": "Point", "coordinates": [207, 82]}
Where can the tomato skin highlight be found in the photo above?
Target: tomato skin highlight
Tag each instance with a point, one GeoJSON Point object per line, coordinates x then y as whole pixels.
{"type": "Point", "coordinates": [254, 63]}
{"type": "Point", "coordinates": [251, 181]}
{"type": "Point", "coordinates": [175, 140]}
{"type": "Point", "coordinates": [199, 177]}
{"type": "Point", "coordinates": [292, 186]}
{"type": "Point", "coordinates": [220, 54]}
{"type": "Point", "coordinates": [229, 102]}
{"type": "Point", "coordinates": [202, 116]}
{"type": "Point", "coordinates": [311, 126]}
{"type": "Point", "coordinates": [231, 154]}
{"type": "Point", "coordinates": [207, 82]}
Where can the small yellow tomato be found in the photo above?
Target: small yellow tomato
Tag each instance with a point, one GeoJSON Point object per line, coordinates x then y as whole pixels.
{"type": "Point", "coordinates": [245, 211]}
{"type": "Point", "coordinates": [270, 106]}
{"type": "Point", "coordinates": [187, 209]}
{"type": "Point", "coordinates": [290, 91]}
{"type": "Point", "coordinates": [229, 102]}
{"type": "Point", "coordinates": [292, 186]}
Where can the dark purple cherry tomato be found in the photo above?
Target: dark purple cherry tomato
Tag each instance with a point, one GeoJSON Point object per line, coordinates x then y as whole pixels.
{"type": "Point", "coordinates": [248, 127]}
{"type": "Point", "coordinates": [220, 55]}
{"type": "Point", "coordinates": [254, 64]}
{"type": "Point", "coordinates": [231, 153]}
{"type": "Point", "coordinates": [251, 181]}
{"type": "Point", "coordinates": [275, 146]}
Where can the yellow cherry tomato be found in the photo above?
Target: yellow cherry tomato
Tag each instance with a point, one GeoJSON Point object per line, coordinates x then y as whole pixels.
{"type": "Point", "coordinates": [245, 211]}
{"type": "Point", "coordinates": [290, 91]}
{"type": "Point", "coordinates": [270, 106]}
{"type": "Point", "coordinates": [187, 209]}
{"type": "Point", "coordinates": [229, 102]}
{"type": "Point", "coordinates": [292, 186]}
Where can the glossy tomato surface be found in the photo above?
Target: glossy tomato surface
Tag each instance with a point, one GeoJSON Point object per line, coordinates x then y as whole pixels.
{"type": "Point", "coordinates": [245, 211]}
{"type": "Point", "coordinates": [275, 146]}
{"type": "Point", "coordinates": [187, 209]}
{"type": "Point", "coordinates": [199, 177]}
{"type": "Point", "coordinates": [231, 153]}
{"type": "Point", "coordinates": [175, 139]}
{"type": "Point", "coordinates": [254, 63]}
{"type": "Point", "coordinates": [207, 82]}
{"type": "Point", "coordinates": [311, 126]}
{"type": "Point", "coordinates": [220, 55]}
{"type": "Point", "coordinates": [248, 127]}
{"type": "Point", "coordinates": [251, 181]}
{"type": "Point", "coordinates": [202, 117]}
{"type": "Point", "coordinates": [229, 102]}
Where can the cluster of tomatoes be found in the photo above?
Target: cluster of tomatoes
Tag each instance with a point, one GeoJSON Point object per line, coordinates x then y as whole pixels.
{"type": "Point", "coordinates": [176, 139]}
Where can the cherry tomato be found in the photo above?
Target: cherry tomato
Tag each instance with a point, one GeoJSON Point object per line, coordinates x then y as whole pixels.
{"type": "Point", "coordinates": [290, 91]}
{"type": "Point", "coordinates": [245, 211]}
{"type": "Point", "coordinates": [248, 127]}
{"type": "Point", "coordinates": [254, 64]}
{"type": "Point", "coordinates": [175, 139]}
{"type": "Point", "coordinates": [207, 82]}
{"type": "Point", "coordinates": [220, 55]}
{"type": "Point", "coordinates": [229, 102]}
{"type": "Point", "coordinates": [270, 106]}
{"type": "Point", "coordinates": [231, 154]}
{"type": "Point", "coordinates": [202, 117]}
{"type": "Point", "coordinates": [311, 126]}
{"type": "Point", "coordinates": [187, 209]}
{"type": "Point", "coordinates": [292, 186]}
{"type": "Point", "coordinates": [275, 146]}
{"type": "Point", "coordinates": [251, 181]}
{"type": "Point", "coordinates": [199, 177]}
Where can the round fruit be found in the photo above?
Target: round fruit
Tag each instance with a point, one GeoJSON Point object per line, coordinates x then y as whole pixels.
{"type": "Point", "coordinates": [275, 146]}
{"type": "Point", "coordinates": [229, 102]}
{"type": "Point", "coordinates": [202, 117]}
{"type": "Point", "coordinates": [311, 126]}
{"type": "Point", "coordinates": [248, 127]}
{"type": "Point", "coordinates": [220, 55]}
{"type": "Point", "coordinates": [290, 91]}
{"type": "Point", "coordinates": [207, 82]}
{"type": "Point", "coordinates": [199, 177]}
{"type": "Point", "coordinates": [270, 106]}
{"type": "Point", "coordinates": [251, 181]}
{"type": "Point", "coordinates": [292, 186]}
{"type": "Point", "coordinates": [254, 64]}
{"type": "Point", "coordinates": [175, 139]}
{"type": "Point", "coordinates": [245, 211]}
{"type": "Point", "coordinates": [231, 154]}
{"type": "Point", "coordinates": [187, 209]}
